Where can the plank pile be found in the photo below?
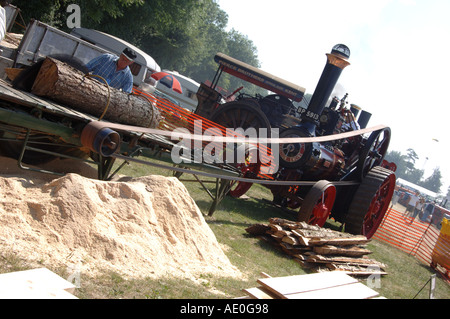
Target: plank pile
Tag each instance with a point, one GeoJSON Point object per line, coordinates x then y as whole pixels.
{"type": "Point", "coordinates": [320, 249]}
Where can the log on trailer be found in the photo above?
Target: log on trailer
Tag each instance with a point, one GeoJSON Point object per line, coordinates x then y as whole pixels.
{"type": "Point", "coordinates": [62, 83]}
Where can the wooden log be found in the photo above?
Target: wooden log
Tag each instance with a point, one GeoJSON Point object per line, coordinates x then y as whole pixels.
{"type": "Point", "coordinates": [67, 85]}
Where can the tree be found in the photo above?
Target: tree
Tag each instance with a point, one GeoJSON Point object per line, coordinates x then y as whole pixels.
{"type": "Point", "coordinates": [240, 47]}
{"type": "Point", "coordinates": [54, 12]}
{"type": "Point", "coordinates": [433, 183]}
{"type": "Point", "coordinates": [411, 157]}
{"type": "Point", "coordinates": [399, 160]}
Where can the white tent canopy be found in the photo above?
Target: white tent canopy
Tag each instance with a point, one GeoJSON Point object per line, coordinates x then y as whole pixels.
{"type": "Point", "coordinates": [418, 188]}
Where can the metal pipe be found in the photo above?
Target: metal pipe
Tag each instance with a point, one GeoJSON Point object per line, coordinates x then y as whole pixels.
{"type": "Point", "coordinates": [336, 62]}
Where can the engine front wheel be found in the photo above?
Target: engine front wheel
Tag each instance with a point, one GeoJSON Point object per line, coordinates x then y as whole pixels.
{"type": "Point", "coordinates": [317, 204]}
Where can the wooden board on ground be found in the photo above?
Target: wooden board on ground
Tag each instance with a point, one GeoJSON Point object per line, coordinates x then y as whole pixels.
{"type": "Point", "coordinates": [325, 285]}
{"type": "Point", "coordinates": [260, 293]}
{"type": "Point", "coordinates": [350, 291]}
{"type": "Point", "coordinates": [282, 286]}
{"type": "Point", "coordinates": [38, 283]}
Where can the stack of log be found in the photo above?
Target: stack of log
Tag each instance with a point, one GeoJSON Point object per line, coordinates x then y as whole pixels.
{"type": "Point", "coordinates": [320, 249]}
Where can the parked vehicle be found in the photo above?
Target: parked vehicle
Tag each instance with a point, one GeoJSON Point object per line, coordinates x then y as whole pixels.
{"type": "Point", "coordinates": [188, 99]}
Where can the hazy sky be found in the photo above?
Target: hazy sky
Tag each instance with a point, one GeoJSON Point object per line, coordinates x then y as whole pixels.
{"type": "Point", "coordinates": [399, 68]}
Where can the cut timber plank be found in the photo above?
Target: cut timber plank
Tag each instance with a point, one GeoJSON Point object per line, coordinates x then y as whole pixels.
{"type": "Point", "coordinates": [347, 251]}
{"type": "Point", "coordinates": [356, 240]}
{"type": "Point", "coordinates": [282, 286]}
{"type": "Point", "coordinates": [349, 291]}
{"type": "Point", "coordinates": [260, 293]}
{"type": "Point", "coordinates": [290, 240]}
{"type": "Point", "coordinates": [293, 250]}
{"type": "Point", "coordinates": [344, 260]}
{"type": "Point", "coordinates": [356, 270]}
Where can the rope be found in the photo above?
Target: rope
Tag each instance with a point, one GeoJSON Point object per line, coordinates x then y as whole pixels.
{"type": "Point", "coordinates": [109, 92]}
{"type": "Point", "coordinates": [151, 104]}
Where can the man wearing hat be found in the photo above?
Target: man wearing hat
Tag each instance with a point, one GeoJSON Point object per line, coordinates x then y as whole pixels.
{"type": "Point", "coordinates": [115, 70]}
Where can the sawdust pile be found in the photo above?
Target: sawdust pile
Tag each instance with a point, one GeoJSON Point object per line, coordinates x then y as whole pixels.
{"type": "Point", "coordinates": [147, 226]}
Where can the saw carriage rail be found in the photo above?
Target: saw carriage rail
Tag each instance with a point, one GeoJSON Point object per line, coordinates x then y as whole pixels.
{"type": "Point", "coordinates": [323, 162]}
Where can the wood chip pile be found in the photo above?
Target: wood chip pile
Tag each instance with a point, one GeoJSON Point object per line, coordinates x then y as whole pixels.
{"type": "Point", "coordinates": [320, 249]}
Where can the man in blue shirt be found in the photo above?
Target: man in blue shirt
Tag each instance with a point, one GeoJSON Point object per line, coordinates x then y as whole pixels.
{"type": "Point", "coordinates": [115, 70]}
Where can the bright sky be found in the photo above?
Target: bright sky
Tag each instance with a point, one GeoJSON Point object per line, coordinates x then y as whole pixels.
{"type": "Point", "coordinates": [399, 68]}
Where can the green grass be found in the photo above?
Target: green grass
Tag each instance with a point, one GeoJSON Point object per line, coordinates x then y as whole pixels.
{"type": "Point", "coordinates": [406, 276]}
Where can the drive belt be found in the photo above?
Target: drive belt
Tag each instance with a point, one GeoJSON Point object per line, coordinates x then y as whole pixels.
{"type": "Point", "coordinates": [237, 139]}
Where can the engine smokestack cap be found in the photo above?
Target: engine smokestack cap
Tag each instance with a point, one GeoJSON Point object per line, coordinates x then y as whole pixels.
{"type": "Point", "coordinates": [342, 50]}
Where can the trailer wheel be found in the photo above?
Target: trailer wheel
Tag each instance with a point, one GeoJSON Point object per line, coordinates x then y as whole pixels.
{"type": "Point", "coordinates": [317, 204]}
{"type": "Point", "coordinates": [370, 202]}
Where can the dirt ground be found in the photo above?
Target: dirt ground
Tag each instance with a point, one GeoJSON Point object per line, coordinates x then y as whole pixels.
{"type": "Point", "coordinates": [146, 226]}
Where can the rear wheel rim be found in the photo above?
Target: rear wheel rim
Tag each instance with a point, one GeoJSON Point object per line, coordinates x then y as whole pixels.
{"type": "Point", "coordinates": [378, 207]}
{"type": "Point", "coordinates": [248, 170]}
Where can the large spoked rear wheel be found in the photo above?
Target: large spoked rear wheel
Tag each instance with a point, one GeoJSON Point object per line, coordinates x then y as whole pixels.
{"type": "Point", "coordinates": [242, 115]}
{"type": "Point", "coordinates": [317, 204]}
{"type": "Point", "coordinates": [370, 202]}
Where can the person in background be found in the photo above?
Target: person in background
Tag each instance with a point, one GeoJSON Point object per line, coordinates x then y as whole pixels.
{"type": "Point", "coordinates": [115, 70]}
{"type": "Point", "coordinates": [411, 204]}
{"type": "Point", "coordinates": [419, 207]}
{"type": "Point", "coordinates": [3, 3]}
{"type": "Point", "coordinates": [428, 211]}
{"type": "Point", "coordinates": [395, 197]}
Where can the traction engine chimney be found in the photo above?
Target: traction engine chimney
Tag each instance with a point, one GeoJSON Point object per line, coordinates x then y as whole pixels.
{"type": "Point", "coordinates": [336, 62]}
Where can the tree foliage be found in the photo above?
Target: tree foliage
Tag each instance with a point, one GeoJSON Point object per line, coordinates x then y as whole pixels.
{"type": "Point", "coordinates": [406, 170]}
{"type": "Point", "coordinates": [181, 35]}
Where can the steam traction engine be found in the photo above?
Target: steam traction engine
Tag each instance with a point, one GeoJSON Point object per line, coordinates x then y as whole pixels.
{"type": "Point", "coordinates": [335, 161]}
